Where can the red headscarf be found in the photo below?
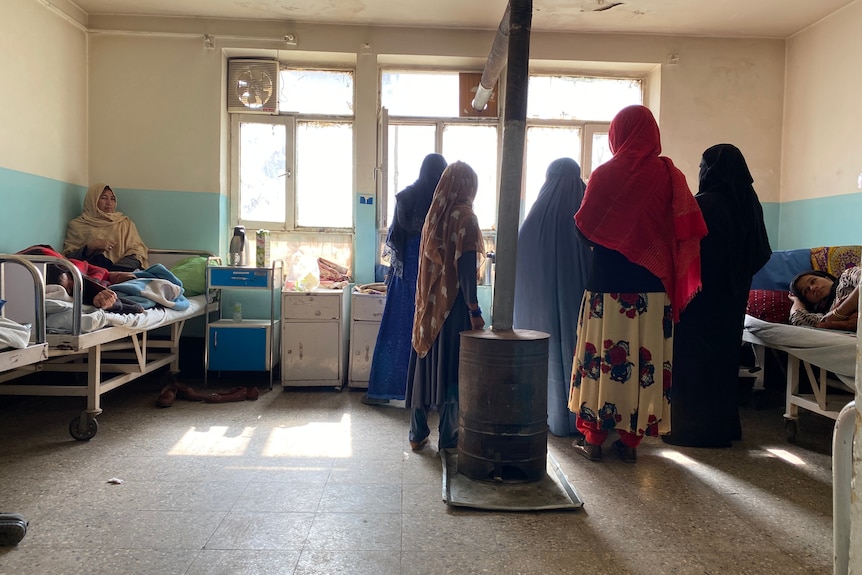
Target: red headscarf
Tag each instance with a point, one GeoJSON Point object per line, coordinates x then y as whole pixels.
{"type": "Point", "coordinates": [638, 203]}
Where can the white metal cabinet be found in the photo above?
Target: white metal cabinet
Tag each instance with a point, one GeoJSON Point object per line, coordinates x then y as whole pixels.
{"type": "Point", "coordinates": [314, 338]}
{"type": "Point", "coordinates": [366, 313]}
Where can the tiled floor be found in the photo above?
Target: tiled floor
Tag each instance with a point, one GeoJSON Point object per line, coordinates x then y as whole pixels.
{"type": "Point", "coordinates": [313, 481]}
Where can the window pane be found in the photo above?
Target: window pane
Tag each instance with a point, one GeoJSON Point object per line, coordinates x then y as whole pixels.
{"type": "Point", "coordinates": [578, 98]}
{"type": "Point", "coordinates": [324, 174]}
{"type": "Point", "coordinates": [408, 146]}
{"type": "Point", "coordinates": [476, 145]}
{"type": "Point", "coordinates": [601, 150]}
{"type": "Point", "coordinates": [544, 145]}
{"type": "Point", "coordinates": [261, 172]}
{"type": "Point", "coordinates": [426, 94]}
{"type": "Point", "coordinates": [316, 92]}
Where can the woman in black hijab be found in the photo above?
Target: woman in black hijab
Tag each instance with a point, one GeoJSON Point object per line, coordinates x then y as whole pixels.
{"type": "Point", "coordinates": [708, 338]}
{"type": "Point", "coordinates": [388, 377]}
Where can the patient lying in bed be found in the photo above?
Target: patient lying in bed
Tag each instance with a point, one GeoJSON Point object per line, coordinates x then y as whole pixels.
{"type": "Point", "coordinates": [823, 301]}
{"type": "Point", "coordinates": [96, 281]}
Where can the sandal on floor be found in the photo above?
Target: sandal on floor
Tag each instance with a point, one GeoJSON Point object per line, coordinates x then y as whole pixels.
{"type": "Point", "coordinates": [588, 450]}
{"type": "Point", "coordinates": [627, 454]}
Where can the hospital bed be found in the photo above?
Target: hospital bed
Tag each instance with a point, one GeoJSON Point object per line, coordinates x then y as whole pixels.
{"type": "Point", "coordinates": [101, 351]}
{"type": "Point", "coordinates": [827, 358]}
{"type": "Point", "coordinates": [22, 345]}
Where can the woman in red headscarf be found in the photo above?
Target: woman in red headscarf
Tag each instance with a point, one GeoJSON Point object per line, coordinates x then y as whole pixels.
{"type": "Point", "coordinates": [645, 227]}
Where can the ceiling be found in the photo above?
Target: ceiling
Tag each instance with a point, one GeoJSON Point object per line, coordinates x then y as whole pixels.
{"type": "Point", "coordinates": [725, 18]}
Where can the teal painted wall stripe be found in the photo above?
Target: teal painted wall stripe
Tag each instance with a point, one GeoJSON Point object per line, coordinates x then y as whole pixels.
{"type": "Point", "coordinates": [35, 210]}
{"type": "Point", "coordinates": [832, 221]}
{"type": "Point", "coordinates": [365, 243]}
{"type": "Point", "coordinates": [179, 220]}
{"type": "Point", "coordinates": [770, 219]}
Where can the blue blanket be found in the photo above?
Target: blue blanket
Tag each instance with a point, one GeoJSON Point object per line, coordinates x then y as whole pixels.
{"type": "Point", "coordinates": [154, 286]}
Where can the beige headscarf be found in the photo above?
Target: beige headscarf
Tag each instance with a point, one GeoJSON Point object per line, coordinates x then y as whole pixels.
{"type": "Point", "coordinates": [451, 228]}
{"type": "Point", "coordinates": [93, 223]}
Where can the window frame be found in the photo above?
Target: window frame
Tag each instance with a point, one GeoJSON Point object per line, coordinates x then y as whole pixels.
{"type": "Point", "coordinates": [290, 122]}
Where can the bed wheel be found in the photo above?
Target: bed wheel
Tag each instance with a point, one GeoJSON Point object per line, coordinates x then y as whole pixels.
{"type": "Point", "coordinates": [83, 434]}
{"type": "Point", "coordinates": [790, 429]}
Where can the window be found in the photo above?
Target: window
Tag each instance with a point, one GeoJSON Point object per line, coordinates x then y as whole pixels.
{"type": "Point", "coordinates": [424, 117]}
{"type": "Point", "coordinates": [569, 116]}
{"type": "Point", "coordinates": [293, 173]}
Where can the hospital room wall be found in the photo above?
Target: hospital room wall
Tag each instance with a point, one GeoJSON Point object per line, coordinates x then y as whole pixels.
{"type": "Point", "coordinates": [157, 119]}
{"type": "Point", "coordinates": [153, 124]}
{"type": "Point", "coordinates": [822, 144]}
{"type": "Point", "coordinates": [43, 112]}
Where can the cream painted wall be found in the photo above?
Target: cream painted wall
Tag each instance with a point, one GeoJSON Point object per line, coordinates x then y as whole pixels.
{"type": "Point", "coordinates": [823, 109]}
{"type": "Point", "coordinates": [823, 158]}
{"type": "Point", "coordinates": [155, 120]}
{"type": "Point", "coordinates": [721, 90]}
{"type": "Point", "coordinates": [43, 106]}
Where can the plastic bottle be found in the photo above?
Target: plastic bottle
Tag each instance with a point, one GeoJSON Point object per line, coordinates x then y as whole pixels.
{"type": "Point", "coordinates": [237, 311]}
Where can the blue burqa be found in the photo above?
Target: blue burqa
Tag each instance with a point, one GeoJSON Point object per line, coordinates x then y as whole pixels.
{"type": "Point", "coordinates": [388, 377]}
{"type": "Point", "coordinates": [551, 271]}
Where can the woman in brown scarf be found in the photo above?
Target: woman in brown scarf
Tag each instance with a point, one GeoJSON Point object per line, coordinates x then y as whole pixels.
{"type": "Point", "coordinates": [446, 304]}
{"type": "Point", "coordinates": [103, 236]}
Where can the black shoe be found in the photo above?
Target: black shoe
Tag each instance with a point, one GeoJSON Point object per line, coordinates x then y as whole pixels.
{"type": "Point", "coordinates": [372, 401]}
{"type": "Point", "coordinates": [627, 454]}
{"type": "Point", "coordinates": [588, 450]}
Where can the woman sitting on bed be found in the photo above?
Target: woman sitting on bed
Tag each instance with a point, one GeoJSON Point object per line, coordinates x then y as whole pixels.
{"type": "Point", "coordinates": [103, 236]}
{"type": "Point", "coordinates": [824, 301]}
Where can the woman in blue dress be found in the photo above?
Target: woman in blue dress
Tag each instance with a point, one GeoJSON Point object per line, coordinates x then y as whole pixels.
{"type": "Point", "coordinates": [388, 377]}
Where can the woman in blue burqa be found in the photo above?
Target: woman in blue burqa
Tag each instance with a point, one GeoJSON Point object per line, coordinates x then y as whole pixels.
{"type": "Point", "coordinates": [552, 265]}
{"type": "Point", "coordinates": [388, 377]}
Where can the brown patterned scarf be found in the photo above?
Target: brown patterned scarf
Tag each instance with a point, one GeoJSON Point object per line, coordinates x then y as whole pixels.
{"type": "Point", "coordinates": [451, 228]}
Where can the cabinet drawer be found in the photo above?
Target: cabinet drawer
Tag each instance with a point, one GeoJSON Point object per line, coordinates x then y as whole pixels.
{"type": "Point", "coordinates": [239, 277]}
{"type": "Point", "coordinates": [311, 306]}
{"type": "Point", "coordinates": [368, 307]}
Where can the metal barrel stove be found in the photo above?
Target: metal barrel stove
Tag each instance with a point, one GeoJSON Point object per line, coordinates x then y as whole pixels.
{"type": "Point", "coordinates": [503, 406]}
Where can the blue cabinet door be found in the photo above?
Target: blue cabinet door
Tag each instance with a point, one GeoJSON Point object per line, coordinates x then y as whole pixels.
{"type": "Point", "coordinates": [238, 348]}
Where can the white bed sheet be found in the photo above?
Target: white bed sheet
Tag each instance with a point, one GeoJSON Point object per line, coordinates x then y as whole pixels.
{"type": "Point", "coordinates": [13, 334]}
{"type": "Point", "coordinates": [832, 350]}
{"type": "Point", "coordinates": [59, 316]}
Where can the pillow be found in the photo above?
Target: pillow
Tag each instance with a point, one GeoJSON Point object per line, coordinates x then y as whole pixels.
{"type": "Point", "coordinates": [193, 273]}
{"type": "Point", "coordinates": [769, 305]}
{"type": "Point", "coordinates": [782, 267]}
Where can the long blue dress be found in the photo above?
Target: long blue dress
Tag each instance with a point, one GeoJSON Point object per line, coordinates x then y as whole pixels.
{"type": "Point", "coordinates": [388, 377]}
{"type": "Point", "coordinates": [552, 267]}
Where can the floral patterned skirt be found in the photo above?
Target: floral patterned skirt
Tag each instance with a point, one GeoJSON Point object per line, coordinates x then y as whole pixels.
{"type": "Point", "coordinates": [621, 374]}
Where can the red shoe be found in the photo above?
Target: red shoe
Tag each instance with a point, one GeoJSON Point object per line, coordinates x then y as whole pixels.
{"type": "Point", "coordinates": [253, 394]}
{"type": "Point", "coordinates": [235, 394]}
{"type": "Point", "coordinates": [189, 393]}
{"type": "Point", "coordinates": [167, 396]}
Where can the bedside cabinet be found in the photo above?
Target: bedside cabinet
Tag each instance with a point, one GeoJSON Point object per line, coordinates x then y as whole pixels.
{"type": "Point", "coordinates": [246, 343]}
{"type": "Point", "coordinates": [366, 311]}
{"type": "Point", "coordinates": [314, 332]}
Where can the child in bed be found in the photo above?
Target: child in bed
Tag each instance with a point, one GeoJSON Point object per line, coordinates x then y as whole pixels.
{"type": "Point", "coordinates": [96, 281]}
{"type": "Point", "coordinates": [821, 300]}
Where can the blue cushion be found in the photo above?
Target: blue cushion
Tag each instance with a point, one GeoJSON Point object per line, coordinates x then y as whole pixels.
{"type": "Point", "coordinates": [782, 267]}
